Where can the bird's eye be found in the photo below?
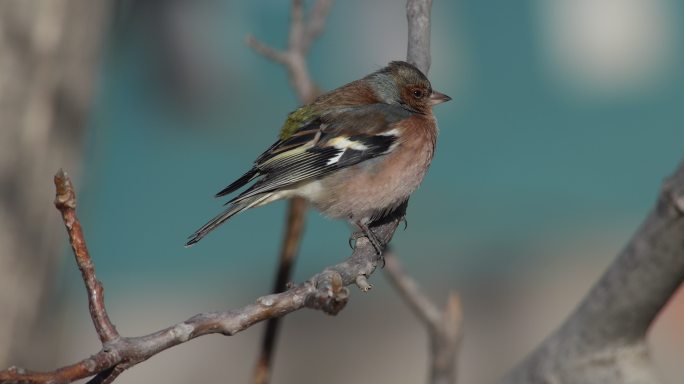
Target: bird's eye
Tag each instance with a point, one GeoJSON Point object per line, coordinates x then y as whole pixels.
{"type": "Point", "coordinates": [417, 93]}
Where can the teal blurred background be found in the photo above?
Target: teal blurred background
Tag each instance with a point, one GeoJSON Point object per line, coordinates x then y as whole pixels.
{"type": "Point", "coordinates": [566, 117]}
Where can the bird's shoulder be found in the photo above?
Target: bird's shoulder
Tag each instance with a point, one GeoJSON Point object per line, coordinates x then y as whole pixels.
{"type": "Point", "coordinates": [353, 95]}
{"type": "Point", "coordinates": [371, 119]}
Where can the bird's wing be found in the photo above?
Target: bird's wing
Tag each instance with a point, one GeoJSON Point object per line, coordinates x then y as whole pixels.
{"type": "Point", "coordinates": [323, 144]}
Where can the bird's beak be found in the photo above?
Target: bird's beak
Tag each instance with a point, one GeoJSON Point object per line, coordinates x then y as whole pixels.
{"type": "Point", "coordinates": [438, 98]}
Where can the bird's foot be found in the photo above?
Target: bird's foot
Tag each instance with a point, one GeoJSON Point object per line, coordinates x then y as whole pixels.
{"type": "Point", "coordinates": [367, 233]}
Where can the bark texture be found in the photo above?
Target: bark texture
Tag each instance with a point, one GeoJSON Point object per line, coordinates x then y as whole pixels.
{"type": "Point", "coordinates": [603, 341]}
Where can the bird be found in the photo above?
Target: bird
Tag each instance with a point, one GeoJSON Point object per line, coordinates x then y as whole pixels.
{"type": "Point", "coordinates": [356, 153]}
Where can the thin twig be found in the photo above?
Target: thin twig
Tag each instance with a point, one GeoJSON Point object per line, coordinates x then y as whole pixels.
{"type": "Point", "coordinates": [325, 291]}
{"type": "Point", "coordinates": [266, 51]}
{"type": "Point", "coordinates": [444, 328]}
{"type": "Point", "coordinates": [303, 32]}
{"type": "Point", "coordinates": [317, 19]}
{"type": "Point", "coordinates": [65, 201]}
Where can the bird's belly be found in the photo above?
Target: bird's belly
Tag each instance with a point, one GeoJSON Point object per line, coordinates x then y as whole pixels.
{"type": "Point", "coordinates": [368, 189]}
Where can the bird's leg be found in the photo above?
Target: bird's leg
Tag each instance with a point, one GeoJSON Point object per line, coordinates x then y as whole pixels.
{"type": "Point", "coordinates": [367, 233]}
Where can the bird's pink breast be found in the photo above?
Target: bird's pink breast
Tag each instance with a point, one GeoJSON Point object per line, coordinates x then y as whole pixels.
{"type": "Point", "coordinates": [360, 191]}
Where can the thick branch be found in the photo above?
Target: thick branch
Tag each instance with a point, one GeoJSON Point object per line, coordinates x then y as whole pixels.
{"type": "Point", "coordinates": [603, 340]}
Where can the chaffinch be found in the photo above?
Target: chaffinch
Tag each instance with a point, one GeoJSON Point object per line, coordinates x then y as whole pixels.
{"type": "Point", "coordinates": [355, 153]}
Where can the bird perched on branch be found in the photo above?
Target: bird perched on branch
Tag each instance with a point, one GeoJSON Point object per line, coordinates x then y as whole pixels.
{"type": "Point", "coordinates": [355, 153]}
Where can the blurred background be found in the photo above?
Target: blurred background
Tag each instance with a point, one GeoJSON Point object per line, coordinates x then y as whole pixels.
{"type": "Point", "coordinates": [566, 116]}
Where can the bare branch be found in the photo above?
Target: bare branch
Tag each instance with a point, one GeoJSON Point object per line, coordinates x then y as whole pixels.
{"type": "Point", "coordinates": [297, 28]}
{"type": "Point", "coordinates": [266, 51]}
{"type": "Point", "coordinates": [408, 289]}
{"type": "Point", "coordinates": [325, 291]}
{"type": "Point", "coordinates": [65, 201]}
{"type": "Point", "coordinates": [603, 340]}
{"type": "Point", "coordinates": [317, 19]}
{"type": "Point", "coordinates": [418, 15]}
{"type": "Point", "coordinates": [444, 329]}
{"type": "Point", "coordinates": [302, 35]}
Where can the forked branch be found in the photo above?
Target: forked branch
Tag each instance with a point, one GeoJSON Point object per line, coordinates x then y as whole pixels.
{"type": "Point", "coordinates": [303, 32]}
{"type": "Point", "coordinates": [325, 291]}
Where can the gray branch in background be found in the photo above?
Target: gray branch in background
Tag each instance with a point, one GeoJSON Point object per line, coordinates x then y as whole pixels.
{"type": "Point", "coordinates": [303, 32]}
{"type": "Point", "coordinates": [444, 328]}
{"type": "Point", "coordinates": [603, 341]}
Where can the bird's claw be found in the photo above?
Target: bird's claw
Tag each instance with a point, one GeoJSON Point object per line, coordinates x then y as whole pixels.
{"type": "Point", "coordinates": [352, 239]}
{"type": "Point", "coordinates": [377, 245]}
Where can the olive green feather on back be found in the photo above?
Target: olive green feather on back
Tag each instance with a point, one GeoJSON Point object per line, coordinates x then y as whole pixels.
{"type": "Point", "coordinates": [297, 119]}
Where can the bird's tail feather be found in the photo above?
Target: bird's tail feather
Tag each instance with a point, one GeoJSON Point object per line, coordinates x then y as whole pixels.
{"type": "Point", "coordinates": [237, 184]}
{"type": "Point", "coordinates": [231, 211]}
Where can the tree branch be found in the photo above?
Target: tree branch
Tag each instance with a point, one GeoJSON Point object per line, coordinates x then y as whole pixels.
{"type": "Point", "coordinates": [418, 16]}
{"type": "Point", "coordinates": [603, 340]}
{"type": "Point", "coordinates": [317, 19]}
{"type": "Point", "coordinates": [325, 291]}
{"type": "Point", "coordinates": [303, 32]}
{"type": "Point", "coordinates": [65, 201]}
{"type": "Point", "coordinates": [444, 329]}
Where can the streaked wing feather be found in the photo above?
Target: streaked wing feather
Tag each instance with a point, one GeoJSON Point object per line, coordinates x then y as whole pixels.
{"type": "Point", "coordinates": [335, 140]}
{"type": "Point", "coordinates": [239, 183]}
{"type": "Point", "coordinates": [308, 165]}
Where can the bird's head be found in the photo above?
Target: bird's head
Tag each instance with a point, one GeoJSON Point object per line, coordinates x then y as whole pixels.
{"type": "Point", "coordinates": [403, 84]}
